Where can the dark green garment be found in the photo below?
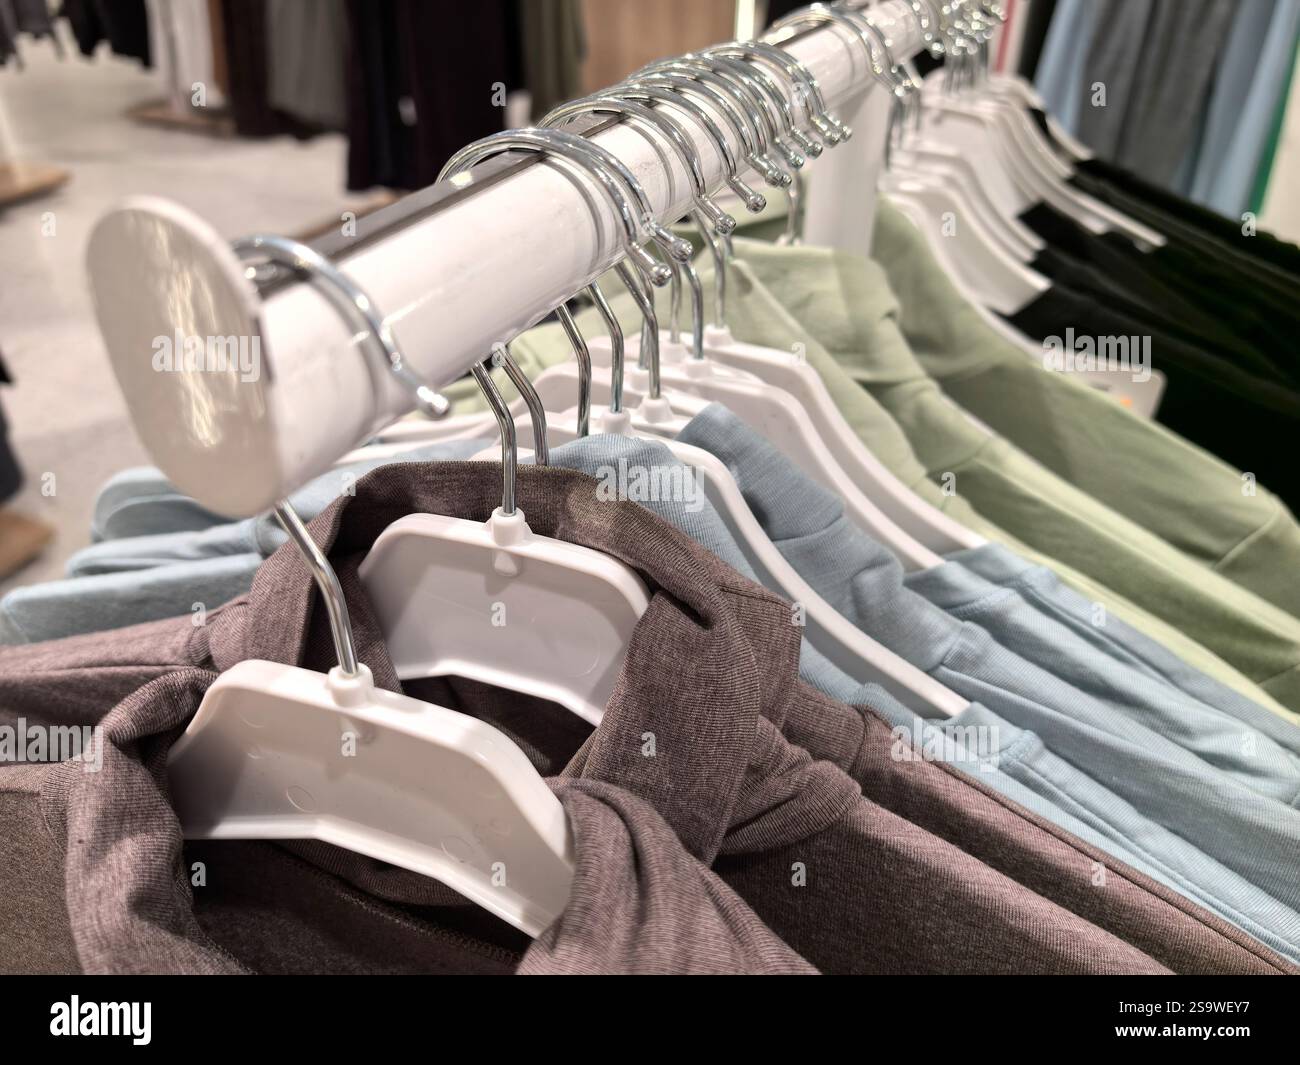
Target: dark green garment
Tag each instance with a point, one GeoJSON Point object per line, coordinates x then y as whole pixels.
{"type": "Point", "coordinates": [1184, 495]}
{"type": "Point", "coordinates": [1105, 180]}
{"type": "Point", "coordinates": [1249, 423]}
{"type": "Point", "coordinates": [1199, 254]}
{"type": "Point", "coordinates": [1147, 289]}
{"type": "Point", "coordinates": [1254, 302]}
{"type": "Point", "coordinates": [553, 44]}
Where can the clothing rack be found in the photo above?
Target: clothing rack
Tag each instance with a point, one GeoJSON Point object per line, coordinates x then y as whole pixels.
{"type": "Point", "coordinates": [454, 269]}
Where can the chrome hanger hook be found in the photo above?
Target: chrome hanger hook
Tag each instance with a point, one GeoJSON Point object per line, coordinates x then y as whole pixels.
{"type": "Point", "coordinates": [832, 130]}
{"type": "Point", "coordinates": [906, 93]}
{"type": "Point", "coordinates": [744, 76]}
{"type": "Point", "coordinates": [502, 357]}
{"type": "Point", "coordinates": [926, 26]}
{"type": "Point", "coordinates": [605, 168]}
{"type": "Point", "coordinates": [656, 87]}
{"type": "Point", "coordinates": [347, 298]}
{"type": "Point", "coordinates": [757, 63]}
{"type": "Point", "coordinates": [733, 100]}
{"type": "Point", "coordinates": [581, 154]}
{"type": "Point", "coordinates": [678, 139]}
{"type": "Point", "coordinates": [509, 441]}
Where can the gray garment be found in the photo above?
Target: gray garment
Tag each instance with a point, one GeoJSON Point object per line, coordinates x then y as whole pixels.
{"type": "Point", "coordinates": [1156, 59]}
{"type": "Point", "coordinates": [1013, 761]}
{"type": "Point", "coordinates": [307, 41]}
{"type": "Point", "coordinates": [162, 554]}
{"type": "Point", "coordinates": [1216, 810]}
{"type": "Point", "coordinates": [1010, 760]}
{"type": "Point", "coordinates": [639, 903]}
{"type": "Point", "coordinates": [710, 671]}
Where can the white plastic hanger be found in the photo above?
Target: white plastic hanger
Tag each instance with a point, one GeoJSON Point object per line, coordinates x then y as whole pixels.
{"type": "Point", "coordinates": [280, 752]}
{"type": "Point", "coordinates": [1013, 237]}
{"type": "Point", "coordinates": [495, 602]}
{"type": "Point", "coordinates": [854, 652]}
{"type": "Point", "coordinates": [944, 252]}
{"type": "Point", "coordinates": [958, 237]}
{"type": "Point", "coordinates": [777, 415]}
{"type": "Point", "coordinates": [1019, 91]}
{"type": "Point", "coordinates": [1016, 163]}
{"type": "Point", "coordinates": [954, 170]}
{"type": "Point", "coordinates": [1012, 241]}
{"type": "Point", "coordinates": [965, 44]}
{"type": "Point", "coordinates": [449, 593]}
{"type": "Point", "coordinates": [785, 370]}
{"type": "Point", "coordinates": [554, 420]}
{"type": "Point", "coordinates": [849, 648]}
{"type": "Point", "coordinates": [977, 128]}
{"type": "Point", "coordinates": [1017, 167]}
{"type": "Point", "coordinates": [945, 189]}
{"type": "Point", "coordinates": [780, 418]}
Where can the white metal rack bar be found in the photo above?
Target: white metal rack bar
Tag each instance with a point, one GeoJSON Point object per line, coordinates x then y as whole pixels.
{"type": "Point", "coordinates": [461, 270]}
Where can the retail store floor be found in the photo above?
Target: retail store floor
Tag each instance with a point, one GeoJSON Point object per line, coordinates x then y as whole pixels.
{"type": "Point", "coordinates": [68, 423]}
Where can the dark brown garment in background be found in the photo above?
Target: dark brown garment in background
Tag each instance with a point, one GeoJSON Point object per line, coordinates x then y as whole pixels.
{"type": "Point", "coordinates": [248, 95]}
{"type": "Point", "coordinates": [217, 31]}
{"type": "Point", "coordinates": [421, 86]}
{"type": "Point", "coordinates": [123, 23]}
{"type": "Point", "coordinates": [243, 24]}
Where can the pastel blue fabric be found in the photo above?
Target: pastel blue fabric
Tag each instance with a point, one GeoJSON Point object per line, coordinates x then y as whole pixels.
{"type": "Point", "coordinates": [54, 609]}
{"type": "Point", "coordinates": [1214, 792]}
{"type": "Point", "coordinates": [998, 589]}
{"type": "Point", "coordinates": [1012, 760]}
{"type": "Point", "coordinates": [187, 565]}
{"type": "Point", "coordinates": [141, 502]}
{"type": "Point", "coordinates": [1250, 78]}
{"type": "Point", "coordinates": [162, 554]}
{"type": "Point", "coordinates": [1059, 77]}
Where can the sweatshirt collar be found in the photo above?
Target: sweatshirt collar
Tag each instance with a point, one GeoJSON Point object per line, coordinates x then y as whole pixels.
{"type": "Point", "coordinates": [713, 655]}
